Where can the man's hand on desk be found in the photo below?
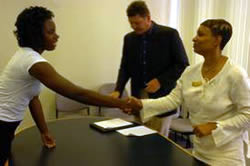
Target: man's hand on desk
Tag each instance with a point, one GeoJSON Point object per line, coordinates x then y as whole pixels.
{"type": "Point", "coordinates": [134, 106]}
{"type": "Point", "coordinates": [153, 86]}
{"type": "Point", "coordinates": [48, 140]}
{"type": "Point", "coordinates": [204, 129]}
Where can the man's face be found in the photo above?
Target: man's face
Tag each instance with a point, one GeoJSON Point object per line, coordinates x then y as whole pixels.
{"type": "Point", "coordinates": [139, 23]}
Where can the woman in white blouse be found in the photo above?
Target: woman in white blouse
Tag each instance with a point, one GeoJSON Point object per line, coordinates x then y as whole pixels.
{"type": "Point", "coordinates": [217, 95]}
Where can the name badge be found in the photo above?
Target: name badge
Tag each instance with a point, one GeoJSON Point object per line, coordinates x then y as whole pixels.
{"type": "Point", "coordinates": [196, 83]}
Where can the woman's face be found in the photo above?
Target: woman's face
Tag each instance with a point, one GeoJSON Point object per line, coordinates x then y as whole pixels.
{"type": "Point", "coordinates": [205, 41]}
{"type": "Point", "coordinates": [50, 36]}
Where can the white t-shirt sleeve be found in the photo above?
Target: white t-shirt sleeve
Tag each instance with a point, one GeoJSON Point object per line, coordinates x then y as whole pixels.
{"type": "Point", "coordinates": [32, 59]}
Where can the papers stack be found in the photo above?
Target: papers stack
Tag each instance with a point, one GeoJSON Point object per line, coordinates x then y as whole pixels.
{"type": "Point", "coordinates": [137, 131]}
{"type": "Point", "coordinates": [111, 125]}
{"type": "Point", "coordinates": [123, 127]}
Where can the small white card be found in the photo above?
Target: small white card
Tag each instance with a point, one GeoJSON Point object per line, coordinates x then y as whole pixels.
{"type": "Point", "coordinates": [113, 123]}
{"type": "Point", "coordinates": [136, 131]}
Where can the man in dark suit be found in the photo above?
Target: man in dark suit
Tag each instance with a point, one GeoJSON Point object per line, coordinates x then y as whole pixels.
{"type": "Point", "coordinates": [153, 56]}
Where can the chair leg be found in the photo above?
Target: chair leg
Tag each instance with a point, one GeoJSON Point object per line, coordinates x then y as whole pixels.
{"type": "Point", "coordinates": [88, 111]}
{"type": "Point", "coordinates": [99, 111]}
{"type": "Point", "coordinates": [56, 114]}
{"type": "Point", "coordinates": [188, 144]}
{"type": "Point", "coordinates": [175, 136]}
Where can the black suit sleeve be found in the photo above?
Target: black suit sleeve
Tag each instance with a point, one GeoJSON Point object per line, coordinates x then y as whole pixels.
{"type": "Point", "coordinates": [178, 58]}
{"type": "Point", "coordinates": [123, 75]}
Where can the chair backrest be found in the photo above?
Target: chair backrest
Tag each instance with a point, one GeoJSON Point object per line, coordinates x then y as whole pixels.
{"type": "Point", "coordinates": [64, 104]}
{"type": "Point", "coordinates": [108, 88]}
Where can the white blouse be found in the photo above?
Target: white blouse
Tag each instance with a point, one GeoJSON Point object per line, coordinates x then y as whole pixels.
{"type": "Point", "coordinates": [225, 99]}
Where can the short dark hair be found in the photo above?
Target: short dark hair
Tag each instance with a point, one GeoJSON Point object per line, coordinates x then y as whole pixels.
{"type": "Point", "coordinates": [29, 27]}
{"type": "Point", "coordinates": [220, 27]}
{"type": "Point", "coordinates": [138, 8]}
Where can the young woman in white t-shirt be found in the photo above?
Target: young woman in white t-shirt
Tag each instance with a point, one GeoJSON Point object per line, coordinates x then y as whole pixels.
{"type": "Point", "coordinates": [21, 80]}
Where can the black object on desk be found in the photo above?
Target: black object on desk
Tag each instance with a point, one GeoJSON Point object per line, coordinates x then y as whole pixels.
{"type": "Point", "coordinates": [78, 144]}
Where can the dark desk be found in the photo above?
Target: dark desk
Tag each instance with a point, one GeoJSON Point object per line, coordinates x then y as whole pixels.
{"type": "Point", "coordinates": [78, 144]}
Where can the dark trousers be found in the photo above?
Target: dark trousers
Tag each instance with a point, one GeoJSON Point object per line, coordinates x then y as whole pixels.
{"type": "Point", "coordinates": [7, 132]}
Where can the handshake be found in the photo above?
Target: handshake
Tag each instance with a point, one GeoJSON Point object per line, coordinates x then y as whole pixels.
{"type": "Point", "coordinates": [130, 105]}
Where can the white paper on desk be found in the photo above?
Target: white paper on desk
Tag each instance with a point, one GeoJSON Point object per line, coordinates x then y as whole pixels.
{"type": "Point", "coordinates": [113, 123]}
{"type": "Point", "coordinates": [136, 131]}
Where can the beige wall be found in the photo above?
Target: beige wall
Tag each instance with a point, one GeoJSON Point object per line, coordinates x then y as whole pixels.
{"type": "Point", "coordinates": [89, 49]}
{"type": "Point", "coordinates": [91, 37]}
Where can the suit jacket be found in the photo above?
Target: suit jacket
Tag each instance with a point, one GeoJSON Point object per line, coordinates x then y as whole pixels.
{"type": "Point", "coordinates": [166, 60]}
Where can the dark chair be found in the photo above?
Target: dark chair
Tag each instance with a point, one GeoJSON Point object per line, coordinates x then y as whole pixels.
{"type": "Point", "coordinates": [182, 128]}
{"type": "Point", "coordinates": [64, 104]}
